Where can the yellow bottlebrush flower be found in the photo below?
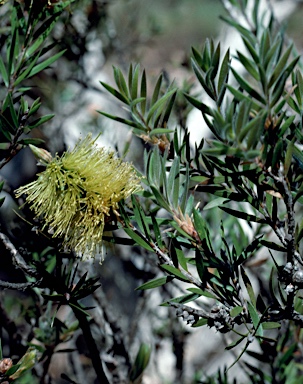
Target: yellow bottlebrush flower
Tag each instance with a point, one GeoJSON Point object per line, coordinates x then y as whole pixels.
{"type": "Point", "coordinates": [78, 191]}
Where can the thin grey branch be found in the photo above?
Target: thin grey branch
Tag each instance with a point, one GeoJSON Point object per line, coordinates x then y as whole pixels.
{"type": "Point", "coordinates": [19, 286]}
{"type": "Point", "coordinates": [17, 258]}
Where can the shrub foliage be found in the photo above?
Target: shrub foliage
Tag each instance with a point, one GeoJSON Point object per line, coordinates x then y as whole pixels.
{"type": "Point", "coordinates": [219, 221]}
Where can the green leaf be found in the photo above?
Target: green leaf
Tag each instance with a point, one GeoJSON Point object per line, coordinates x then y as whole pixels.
{"type": "Point", "coordinates": [138, 239]}
{"type": "Point", "coordinates": [200, 76]}
{"type": "Point", "coordinates": [248, 286]}
{"type": "Point", "coordinates": [236, 311]}
{"type": "Point", "coordinates": [198, 58]}
{"type": "Point", "coordinates": [41, 34]}
{"type": "Point", "coordinates": [278, 91]}
{"type": "Point", "coordinates": [26, 72]}
{"type": "Point", "coordinates": [11, 51]}
{"type": "Point", "coordinates": [156, 90]}
{"type": "Point", "coordinates": [173, 183]}
{"type": "Point", "coordinates": [217, 202]}
{"type": "Point", "coordinates": [280, 66]}
{"type": "Point", "coordinates": [249, 66]}
{"type": "Point", "coordinates": [179, 253]}
{"type": "Point", "coordinates": [174, 271]}
{"type": "Point", "coordinates": [123, 121]}
{"type": "Point", "coordinates": [288, 156]}
{"type": "Point", "coordinates": [235, 343]}
{"type": "Point", "coordinates": [159, 104]}
{"type": "Point", "coordinates": [253, 126]}
{"type": "Point", "coordinates": [46, 63]}
{"type": "Point", "coordinates": [223, 77]}
{"type": "Point", "coordinates": [202, 293]}
{"type": "Point", "coordinates": [247, 87]}
{"type": "Point", "coordinates": [157, 232]}
{"type": "Point", "coordinates": [286, 125]}
{"type": "Point", "coordinates": [143, 91]}
{"type": "Point", "coordinates": [200, 265]}
{"type": "Point", "coordinates": [31, 141]}
{"type": "Point", "coordinates": [169, 107]}
{"type": "Point", "coordinates": [34, 107]}
{"type": "Point", "coordinates": [133, 80]}
{"type": "Point", "coordinates": [242, 215]}
{"type": "Point", "coordinates": [121, 83]}
{"type": "Point", "coordinates": [4, 73]}
{"type": "Point", "coordinates": [39, 121]}
{"type": "Point", "coordinates": [200, 323]}
{"type": "Point", "coordinates": [155, 283]}
{"type": "Point", "coordinates": [160, 199]}
{"type": "Point", "coordinates": [115, 93]}
{"type": "Point", "coordinates": [240, 96]}
{"type": "Point", "coordinates": [273, 246]}
{"type": "Point", "coordinates": [271, 325]}
{"type": "Point", "coordinates": [181, 299]}
{"type": "Point", "coordinates": [141, 362]}
{"type": "Point", "coordinates": [255, 319]}
{"type": "Point", "coordinates": [251, 50]}
{"type": "Point", "coordinates": [199, 224]}
{"type": "Point", "coordinates": [140, 217]}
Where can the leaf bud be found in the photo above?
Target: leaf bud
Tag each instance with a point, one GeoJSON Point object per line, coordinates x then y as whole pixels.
{"type": "Point", "coordinates": [5, 364]}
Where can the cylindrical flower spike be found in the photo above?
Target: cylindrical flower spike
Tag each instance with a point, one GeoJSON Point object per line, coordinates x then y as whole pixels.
{"type": "Point", "coordinates": [77, 191]}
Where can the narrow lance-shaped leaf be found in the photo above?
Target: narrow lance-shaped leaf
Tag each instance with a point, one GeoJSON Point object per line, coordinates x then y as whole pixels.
{"type": "Point", "coordinates": [140, 217]}
{"type": "Point", "coordinates": [248, 286]}
{"type": "Point", "coordinates": [255, 319]}
{"type": "Point", "coordinates": [200, 265]}
{"type": "Point", "coordinates": [128, 122]}
{"type": "Point", "coordinates": [46, 63]}
{"type": "Point", "coordinates": [159, 104]}
{"type": "Point", "coordinates": [174, 271]}
{"type": "Point", "coordinates": [134, 83]}
{"type": "Point", "coordinates": [121, 83]}
{"type": "Point", "coordinates": [26, 72]}
{"type": "Point", "coordinates": [157, 89]}
{"type": "Point", "coordinates": [41, 34]}
{"type": "Point", "coordinates": [223, 78]}
{"type": "Point", "coordinates": [248, 88]}
{"type": "Point", "coordinates": [155, 283]}
{"type": "Point", "coordinates": [115, 93]}
{"type": "Point", "coordinates": [141, 362]}
{"type": "Point", "coordinates": [181, 299]}
{"type": "Point", "coordinates": [138, 239]}
{"type": "Point", "coordinates": [4, 73]}
{"type": "Point", "coordinates": [200, 77]}
{"type": "Point", "coordinates": [288, 156]}
{"type": "Point", "coordinates": [40, 121]}
{"type": "Point", "coordinates": [143, 91]}
{"type": "Point", "coordinates": [249, 65]}
{"type": "Point", "coordinates": [280, 66]}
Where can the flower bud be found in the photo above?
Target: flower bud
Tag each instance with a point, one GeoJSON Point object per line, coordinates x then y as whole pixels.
{"type": "Point", "coordinates": [41, 154]}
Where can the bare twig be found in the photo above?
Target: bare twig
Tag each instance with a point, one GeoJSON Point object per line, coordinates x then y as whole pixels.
{"type": "Point", "coordinates": [17, 258]}
{"type": "Point", "coordinates": [19, 286]}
